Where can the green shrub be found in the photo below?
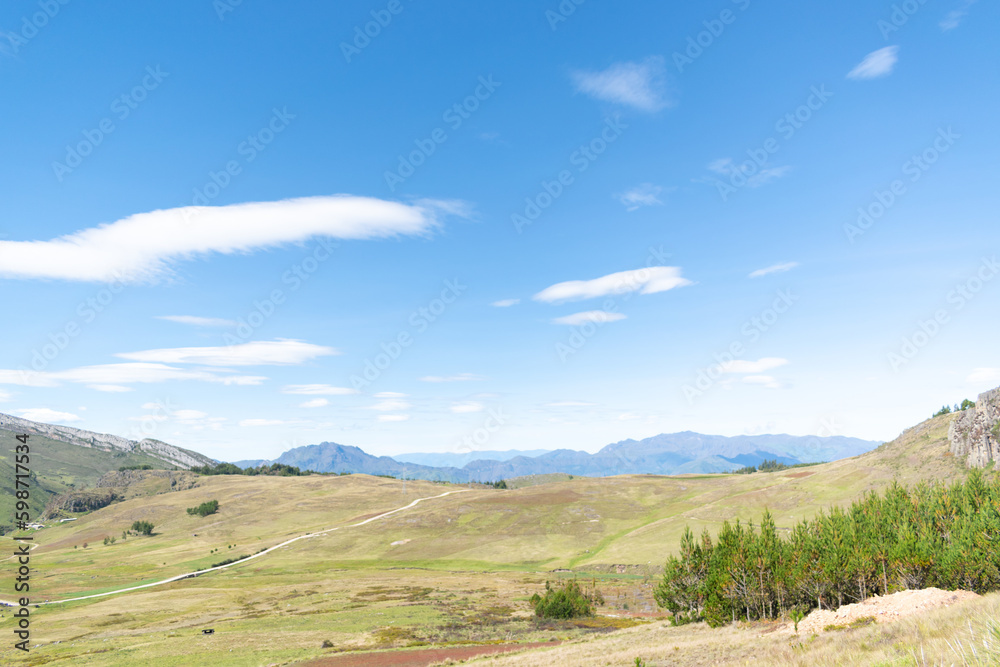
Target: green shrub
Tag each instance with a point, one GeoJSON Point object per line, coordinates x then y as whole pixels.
{"type": "Point", "coordinates": [569, 601]}
{"type": "Point", "coordinates": [203, 510]}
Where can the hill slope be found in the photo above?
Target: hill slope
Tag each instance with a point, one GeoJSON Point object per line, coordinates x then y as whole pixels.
{"type": "Point", "coordinates": [63, 459]}
{"type": "Point", "coordinates": [421, 567]}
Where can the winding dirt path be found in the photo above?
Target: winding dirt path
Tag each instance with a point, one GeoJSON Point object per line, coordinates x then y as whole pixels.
{"type": "Point", "coordinates": [189, 575]}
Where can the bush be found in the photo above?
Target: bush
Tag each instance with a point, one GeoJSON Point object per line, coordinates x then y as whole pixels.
{"type": "Point", "coordinates": [203, 510]}
{"type": "Point", "coordinates": [945, 410]}
{"type": "Point", "coordinates": [143, 527]}
{"type": "Point", "coordinates": [570, 601]}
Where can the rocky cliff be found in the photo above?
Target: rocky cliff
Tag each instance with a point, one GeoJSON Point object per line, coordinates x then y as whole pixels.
{"type": "Point", "coordinates": [182, 458]}
{"type": "Point", "coordinates": [975, 433]}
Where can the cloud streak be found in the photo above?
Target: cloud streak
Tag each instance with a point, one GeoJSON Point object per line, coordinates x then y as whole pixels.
{"type": "Point", "coordinates": [645, 281]}
{"type": "Point", "coordinates": [281, 352]}
{"type": "Point", "coordinates": [876, 64]}
{"type": "Point", "coordinates": [144, 246]}
{"type": "Point", "coordinates": [775, 268]}
{"type": "Point", "coordinates": [595, 316]}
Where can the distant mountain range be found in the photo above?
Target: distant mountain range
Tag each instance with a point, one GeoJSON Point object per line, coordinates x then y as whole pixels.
{"type": "Point", "coordinates": [665, 454]}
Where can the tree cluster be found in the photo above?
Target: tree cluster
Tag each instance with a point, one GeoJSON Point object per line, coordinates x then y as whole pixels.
{"type": "Point", "coordinates": [275, 469]}
{"type": "Point", "coordinates": [143, 527]}
{"type": "Point", "coordinates": [770, 465]}
{"type": "Point", "coordinates": [567, 601]}
{"type": "Point", "coordinates": [203, 510]}
{"type": "Point", "coordinates": [933, 535]}
{"type": "Point", "coordinates": [945, 410]}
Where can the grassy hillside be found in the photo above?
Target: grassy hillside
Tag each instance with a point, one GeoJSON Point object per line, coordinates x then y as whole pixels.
{"type": "Point", "coordinates": [448, 569]}
{"type": "Point", "coordinates": [965, 634]}
{"type": "Point", "coordinates": [58, 467]}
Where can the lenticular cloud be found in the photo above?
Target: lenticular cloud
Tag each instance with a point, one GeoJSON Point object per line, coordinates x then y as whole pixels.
{"type": "Point", "coordinates": [142, 247]}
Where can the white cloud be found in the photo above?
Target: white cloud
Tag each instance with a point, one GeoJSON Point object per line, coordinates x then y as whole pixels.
{"type": "Point", "coordinates": [281, 352]}
{"type": "Point", "coordinates": [753, 367]}
{"type": "Point", "coordinates": [645, 194]}
{"type": "Point", "coordinates": [628, 416]}
{"type": "Point", "coordinates": [876, 64]}
{"type": "Point", "coordinates": [506, 303]}
{"type": "Point", "coordinates": [755, 176]}
{"type": "Point", "coordinates": [462, 408]}
{"type": "Point", "coordinates": [110, 388]}
{"type": "Point", "coordinates": [389, 406]}
{"type": "Point", "coordinates": [763, 380]}
{"type": "Point", "coordinates": [315, 403]}
{"type": "Point", "coordinates": [988, 376]}
{"type": "Point", "coordinates": [317, 390]}
{"type": "Point", "coordinates": [262, 422]}
{"type": "Point", "coordinates": [647, 281]}
{"type": "Point", "coordinates": [596, 316]}
{"type": "Point", "coordinates": [197, 321]}
{"type": "Point", "coordinates": [775, 268]}
{"type": "Point", "coordinates": [569, 404]}
{"type": "Point", "coordinates": [46, 415]}
{"type": "Point", "coordinates": [461, 377]}
{"type": "Point", "coordinates": [954, 18]}
{"type": "Point", "coordinates": [393, 418]}
{"type": "Point", "coordinates": [640, 85]}
{"type": "Point", "coordinates": [121, 374]}
{"type": "Point", "coordinates": [142, 247]}
{"type": "Point", "coordinates": [4, 396]}
{"type": "Point", "coordinates": [390, 394]}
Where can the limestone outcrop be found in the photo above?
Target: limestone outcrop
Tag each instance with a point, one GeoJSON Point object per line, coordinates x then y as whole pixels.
{"type": "Point", "coordinates": [975, 433]}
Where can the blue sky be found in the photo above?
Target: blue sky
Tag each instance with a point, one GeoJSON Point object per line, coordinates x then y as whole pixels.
{"type": "Point", "coordinates": [242, 227]}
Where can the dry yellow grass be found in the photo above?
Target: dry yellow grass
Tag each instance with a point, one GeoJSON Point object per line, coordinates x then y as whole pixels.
{"type": "Point", "coordinates": [967, 633]}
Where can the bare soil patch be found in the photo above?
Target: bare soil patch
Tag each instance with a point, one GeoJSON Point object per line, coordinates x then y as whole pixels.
{"type": "Point", "coordinates": [882, 609]}
{"type": "Point", "coordinates": [420, 657]}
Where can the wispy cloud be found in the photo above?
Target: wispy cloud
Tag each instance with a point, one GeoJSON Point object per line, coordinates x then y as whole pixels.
{"type": "Point", "coordinates": [644, 194]}
{"type": "Point", "coordinates": [461, 377]}
{"type": "Point", "coordinates": [101, 376]}
{"type": "Point", "coordinates": [315, 403]}
{"type": "Point", "coordinates": [316, 390]}
{"type": "Point", "coordinates": [954, 18]}
{"type": "Point", "coordinates": [393, 418]}
{"type": "Point", "coordinates": [390, 394]}
{"type": "Point", "coordinates": [753, 367]}
{"type": "Point", "coordinates": [196, 321]}
{"type": "Point", "coordinates": [876, 64]}
{"type": "Point", "coordinates": [281, 352]}
{"type": "Point", "coordinates": [775, 268]}
{"type": "Point", "coordinates": [646, 281]}
{"type": "Point", "coordinates": [595, 316]}
{"type": "Point", "coordinates": [726, 167]}
{"type": "Point", "coordinates": [143, 247]}
{"type": "Point", "coordinates": [569, 404]}
{"type": "Point", "coordinates": [641, 85]}
{"type": "Point", "coordinates": [506, 303]}
{"type": "Point", "coordinates": [110, 388]}
{"type": "Point", "coordinates": [390, 405]}
{"type": "Point", "coordinates": [47, 416]}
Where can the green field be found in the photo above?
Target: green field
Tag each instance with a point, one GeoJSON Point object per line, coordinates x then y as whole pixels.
{"type": "Point", "coordinates": [453, 569]}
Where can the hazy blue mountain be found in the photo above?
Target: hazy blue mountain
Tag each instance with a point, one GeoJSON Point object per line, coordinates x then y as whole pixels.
{"type": "Point", "coordinates": [665, 454]}
{"type": "Point", "coordinates": [453, 460]}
